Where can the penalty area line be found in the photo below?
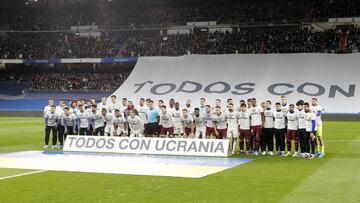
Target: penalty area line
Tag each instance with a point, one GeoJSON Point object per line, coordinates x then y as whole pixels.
{"type": "Point", "coordinates": [21, 174]}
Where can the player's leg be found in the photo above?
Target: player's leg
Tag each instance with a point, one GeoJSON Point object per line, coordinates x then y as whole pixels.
{"type": "Point", "coordinates": [241, 140]}
{"type": "Point", "coordinates": [47, 136]}
{"type": "Point", "coordinates": [54, 136]}
{"type": "Point", "coordinates": [264, 139]}
{"type": "Point", "coordinates": [235, 136]}
{"type": "Point", "coordinates": [270, 141]}
{"type": "Point", "coordinates": [313, 146]}
{"type": "Point", "coordinates": [171, 132]}
{"type": "Point", "coordinates": [163, 132]}
{"type": "Point", "coordinates": [102, 131]}
{"type": "Point", "coordinates": [282, 141]}
{"type": "Point", "coordinates": [277, 141]}
{"type": "Point", "coordinates": [289, 139]}
{"type": "Point", "coordinates": [96, 132]}
{"type": "Point", "coordinates": [248, 141]}
{"type": "Point", "coordinates": [321, 144]}
{"type": "Point", "coordinates": [203, 133]}
{"type": "Point", "coordinates": [302, 140]}
{"type": "Point", "coordinates": [197, 133]}
{"type": "Point", "coordinates": [296, 142]}
{"type": "Point", "coordinates": [229, 136]}
{"type": "Point", "coordinates": [62, 135]}
{"type": "Point", "coordinates": [256, 140]}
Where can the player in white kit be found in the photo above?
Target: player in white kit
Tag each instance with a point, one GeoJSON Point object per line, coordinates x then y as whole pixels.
{"type": "Point", "coordinates": [292, 130]}
{"type": "Point", "coordinates": [166, 123]}
{"type": "Point", "coordinates": [142, 111]}
{"type": "Point", "coordinates": [199, 123]}
{"type": "Point", "coordinates": [120, 127]}
{"type": "Point", "coordinates": [319, 135]}
{"type": "Point", "coordinates": [176, 114]}
{"type": "Point", "coordinates": [244, 128]}
{"type": "Point", "coordinates": [208, 117]}
{"type": "Point", "coordinates": [135, 124]}
{"type": "Point", "coordinates": [232, 126]}
{"type": "Point", "coordinates": [187, 124]}
{"type": "Point", "coordinates": [107, 117]}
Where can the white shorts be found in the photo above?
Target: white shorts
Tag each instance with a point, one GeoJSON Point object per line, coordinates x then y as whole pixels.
{"type": "Point", "coordinates": [201, 131]}
{"type": "Point", "coordinates": [136, 134]}
{"type": "Point", "coordinates": [108, 128]}
{"type": "Point", "coordinates": [232, 132]}
{"type": "Point", "coordinates": [178, 129]}
{"type": "Point", "coordinates": [119, 131]}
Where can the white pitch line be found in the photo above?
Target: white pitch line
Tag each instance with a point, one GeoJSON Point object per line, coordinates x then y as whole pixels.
{"type": "Point", "coordinates": [21, 174]}
{"type": "Point", "coordinates": [342, 140]}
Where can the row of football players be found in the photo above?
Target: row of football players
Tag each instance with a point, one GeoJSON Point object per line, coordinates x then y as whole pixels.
{"type": "Point", "coordinates": [257, 125]}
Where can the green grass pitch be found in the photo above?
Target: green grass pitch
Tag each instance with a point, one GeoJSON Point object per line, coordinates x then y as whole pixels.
{"type": "Point", "coordinates": [335, 178]}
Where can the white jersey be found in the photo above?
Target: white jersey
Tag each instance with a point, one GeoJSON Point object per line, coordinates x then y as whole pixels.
{"type": "Point", "coordinates": [284, 108]}
{"type": "Point", "coordinates": [97, 119]}
{"type": "Point", "coordinates": [142, 113]}
{"type": "Point", "coordinates": [244, 120]}
{"type": "Point", "coordinates": [108, 118]}
{"type": "Point", "coordinates": [166, 120]}
{"type": "Point", "coordinates": [190, 110]}
{"type": "Point", "coordinates": [269, 121]}
{"type": "Point", "coordinates": [46, 109]}
{"type": "Point", "coordinates": [61, 118]}
{"type": "Point", "coordinates": [70, 119]}
{"type": "Point", "coordinates": [51, 119]}
{"type": "Point", "coordinates": [199, 121]}
{"type": "Point", "coordinates": [176, 114]}
{"type": "Point", "coordinates": [123, 108]}
{"type": "Point", "coordinates": [255, 113]}
{"type": "Point", "coordinates": [220, 121]}
{"type": "Point", "coordinates": [279, 120]}
{"type": "Point", "coordinates": [171, 110]}
{"type": "Point", "coordinates": [135, 124]}
{"type": "Point", "coordinates": [83, 119]}
{"type": "Point", "coordinates": [208, 117]}
{"type": "Point", "coordinates": [119, 122]}
{"type": "Point", "coordinates": [232, 119]}
{"type": "Point", "coordinates": [301, 119]}
{"type": "Point", "coordinates": [112, 106]}
{"type": "Point", "coordinates": [101, 106]}
{"type": "Point", "coordinates": [186, 122]}
{"type": "Point", "coordinates": [317, 110]}
{"type": "Point", "coordinates": [309, 118]}
{"type": "Point", "coordinates": [293, 121]}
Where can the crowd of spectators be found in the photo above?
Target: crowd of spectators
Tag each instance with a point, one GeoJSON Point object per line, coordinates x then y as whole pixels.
{"type": "Point", "coordinates": [68, 79]}
{"type": "Point", "coordinates": [279, 40]}
{"type": "Point", "coordinates": [60, 14]}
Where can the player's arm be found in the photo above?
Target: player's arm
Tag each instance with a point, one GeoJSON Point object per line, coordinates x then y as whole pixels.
{"type": "Point", "coordinates": [313, 126]}
{"type": "Point", "coordinates": [126, 126]}
{"type": "Point", "coordinates": [89, 121]}
{"type": "Point", "coordinates": [192, 128]}
{"type": "Point", "coordinates": [215, 128]}
{"type": "Point", "coordinates": [46, 118]}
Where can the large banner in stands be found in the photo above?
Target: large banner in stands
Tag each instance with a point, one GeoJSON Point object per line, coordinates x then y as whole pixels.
{"type": "Point", "coordinates": [169, 146]}
{"type": "Point", "coordinates": [332, 78]}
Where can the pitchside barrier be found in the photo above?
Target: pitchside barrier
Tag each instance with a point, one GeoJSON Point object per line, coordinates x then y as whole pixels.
{"type": "Point", "coordinates": [133, 145]}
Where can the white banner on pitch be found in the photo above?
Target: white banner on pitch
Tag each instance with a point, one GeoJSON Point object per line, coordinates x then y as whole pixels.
{"type": "Point", "coordinates": [168, 146]}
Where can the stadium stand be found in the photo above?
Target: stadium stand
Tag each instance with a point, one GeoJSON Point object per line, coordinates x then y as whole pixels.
{"type": "Point", "coordinates": [37, 29]}
{"type": "Point", "coordinates": [49, 15]}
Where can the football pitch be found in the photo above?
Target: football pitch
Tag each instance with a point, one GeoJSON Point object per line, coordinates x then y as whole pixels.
{"type": "Point", "coordinates": [335, 178]}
